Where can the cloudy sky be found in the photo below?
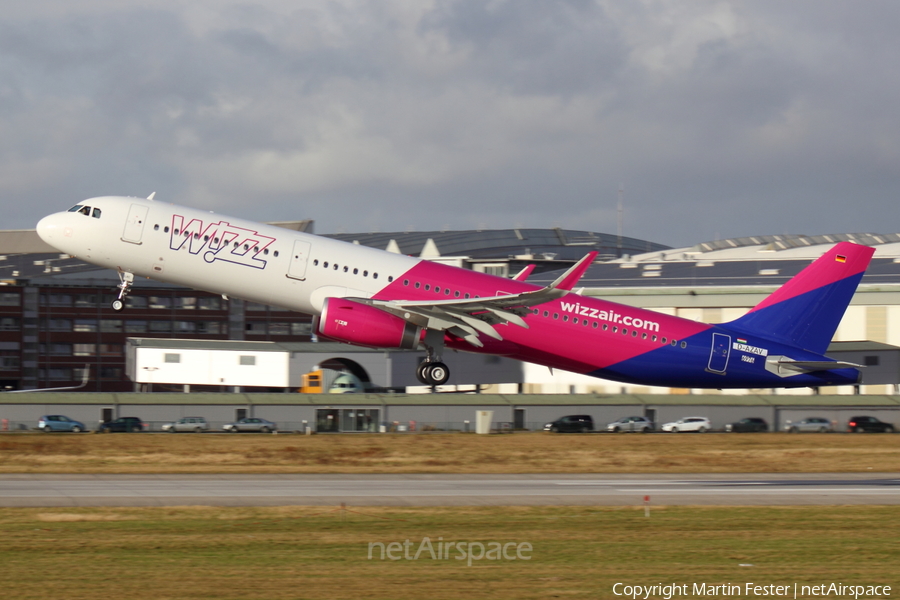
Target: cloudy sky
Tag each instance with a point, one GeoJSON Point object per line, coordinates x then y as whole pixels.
{"type": "Point", "coordinates": [721, 119]}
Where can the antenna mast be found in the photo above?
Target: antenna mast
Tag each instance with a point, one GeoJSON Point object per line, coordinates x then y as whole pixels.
{"type": "Point", "coordinates": [619, 211]}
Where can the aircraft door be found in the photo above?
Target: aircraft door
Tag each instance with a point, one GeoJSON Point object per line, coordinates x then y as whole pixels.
{"type": "Point", "coordinates": [718, 356]}
{"type": "Point", "coordinates": [299, 258]}
{"type": "Point", "coordinates": [134, 224]}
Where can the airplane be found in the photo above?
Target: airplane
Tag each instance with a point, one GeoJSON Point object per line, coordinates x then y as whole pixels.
{"type": "Point", "coordinates": [368, 297]}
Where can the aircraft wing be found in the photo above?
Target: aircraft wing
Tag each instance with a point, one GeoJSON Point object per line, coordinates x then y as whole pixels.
{"type": "Point", "coordinates": [467, 318]}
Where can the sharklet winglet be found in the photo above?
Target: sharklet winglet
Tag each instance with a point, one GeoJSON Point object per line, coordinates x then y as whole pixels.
{"type": "Point", "coordinates": [570, 278]}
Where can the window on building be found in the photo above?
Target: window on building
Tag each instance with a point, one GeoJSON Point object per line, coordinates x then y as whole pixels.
{"type": "Point", "coordinates": [112, 373]}
{"type": "Point", "coordinates": [84, 349]}
{"type": "Point", "coordinates": [279, 328]}
{"type": "Point", "coordinates": [159, 326]}
{"type": "Point", "coordinates": [85, 325]}
{"type": "Point", "coordinates": [56, 300]}
{"type": "Point", "coordinates": [9, 324]}
{"type": "Point", "coordinates": [56, 325]}
{"type": "Point", "coordinates": [159, 301]}
{"type": "Point", "coordinates": [301, 328]}
{"type": "Point", "coordinates": [184, 327]}
{"type": "Point", "coordinates": [208, 327]}
{"type": "Point", "coordinates": [111, 325]}
{"type": "Point", "coordinates": [256, 328]}
{"type": "Point", "coordinates": [59, 349]}
{"type": "Point", "coordinates": [56, 374]}
{"type": "Point", "coordinates": [135, 326]}
{"type": "Point", "coordinates": [186, 303]}
{"type": "Point", "coordinates": [10, 299]}
{"type": "Point", "coordinates": [248, 361]}
{"type": "Point", "coordinates": [172, 358]}
{"type": "Point", "coordinates": [255, 307]}
{"type": "Point", "coordinates": [871, 361]}
{"type": "Point", "coordinates": [210, 303]}
{"type": "Point", "coordinates": [136, 301]}
{"type": "Point", "coordinates": [111, 349]}
{"type": "Point", "coordinates": [86, 300]}
{"type": "Point", "coordinates": [9, 360]}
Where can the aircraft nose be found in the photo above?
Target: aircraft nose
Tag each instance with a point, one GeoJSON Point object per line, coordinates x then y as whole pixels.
{"type": "Point", "coordinates": [48, 228]}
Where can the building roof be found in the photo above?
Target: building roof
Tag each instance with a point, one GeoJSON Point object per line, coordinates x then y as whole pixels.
{"type": "Point", "coordinates": [706, 273]}
{"type": "Point", "coordinates": [561, 244]}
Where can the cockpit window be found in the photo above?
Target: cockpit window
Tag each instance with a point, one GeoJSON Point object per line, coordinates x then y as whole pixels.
{"type": "Point", "coordinates": [85, 210]}
{"type": "Point", "coordinates": [75, 208]}
{"type": "Point", "coordinates": [96, 213]}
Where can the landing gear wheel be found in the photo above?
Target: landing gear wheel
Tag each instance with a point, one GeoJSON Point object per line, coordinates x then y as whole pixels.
{"type": "Point", "coordinates": [438, 373]}
{"type": "Point", "coordinates": [433, 373]}
{"type": "Point", "coordinates": [420, 373]}
{"type": "Point", "coordinates": [117, 305]}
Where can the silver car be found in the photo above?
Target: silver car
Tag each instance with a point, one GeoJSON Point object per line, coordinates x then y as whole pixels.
{"type": "Point", "coordinates": [641, 424]}
{"type": "Point", "coordinates": [251, 424]}
{"type": "Point", "coordinates": [190, 424]}
{"type": "Point", "coordinates": [817, 424]}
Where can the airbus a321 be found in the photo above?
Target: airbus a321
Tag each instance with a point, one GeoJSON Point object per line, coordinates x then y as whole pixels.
{"type": "Point", "coordinates": [369, 297]}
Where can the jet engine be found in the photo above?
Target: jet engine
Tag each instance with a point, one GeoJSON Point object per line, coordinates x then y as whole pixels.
{"type": "Point", "coordinates": [363, 325]}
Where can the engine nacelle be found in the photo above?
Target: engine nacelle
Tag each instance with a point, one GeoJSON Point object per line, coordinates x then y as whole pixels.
{"type": "Point", "coordinates": [363, 325]}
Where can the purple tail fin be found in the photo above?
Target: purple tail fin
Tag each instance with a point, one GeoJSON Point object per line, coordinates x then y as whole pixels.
{"type": "Point", "coordinates": [806, 311]}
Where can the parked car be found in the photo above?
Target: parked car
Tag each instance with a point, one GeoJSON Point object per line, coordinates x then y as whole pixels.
{"type": "Point", "coordinates": [698, 424]}
{"type": "Point", "coordinates": [864, 424]}
{"type": "Point", "coordinates": [817, 424]}
{"type": "Point", "coordinates": [126, 424]}
{"type": "Point", "coordinates": [251, 424]}
{"type": "Point", "coordinates": [571, 424]}
{"type": "Point", "coordinates": [49, 423]}
{"type": "Point", "coordinates": [750, 424]}
{"type": "Point", "coordinates": [642, 424]}
{"type": "Point", "coordinates": [192, 424]}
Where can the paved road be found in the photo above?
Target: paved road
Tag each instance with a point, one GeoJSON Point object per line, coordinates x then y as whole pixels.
{"type": "Point", "coordinates": [444, 490]}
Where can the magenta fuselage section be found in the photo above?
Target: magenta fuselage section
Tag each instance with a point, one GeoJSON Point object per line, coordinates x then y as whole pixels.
{"type": "Point", "coordinates": [574, 333]}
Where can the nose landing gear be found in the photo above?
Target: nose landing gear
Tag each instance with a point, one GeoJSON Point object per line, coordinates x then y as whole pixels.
{"type": "Point", "coordinates": [126, 281]}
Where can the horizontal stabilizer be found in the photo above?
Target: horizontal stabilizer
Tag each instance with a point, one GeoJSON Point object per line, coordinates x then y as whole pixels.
{"type": "Point", "coordinates": [785, 367]}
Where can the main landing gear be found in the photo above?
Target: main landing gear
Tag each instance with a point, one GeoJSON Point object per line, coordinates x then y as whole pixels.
{"type": "Point", "coordinates": [432, 371]}
{"type": "Point", "coordinates": [126, 280]}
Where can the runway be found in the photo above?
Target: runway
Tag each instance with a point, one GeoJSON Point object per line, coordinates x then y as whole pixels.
{"type": "Point", "coordinates": [447, 490]}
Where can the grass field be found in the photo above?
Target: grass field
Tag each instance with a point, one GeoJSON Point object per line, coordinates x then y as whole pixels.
{"type": "Point", "coordinates": [448, 453]}
{"type": "Point", "coordinates": [300, 552]}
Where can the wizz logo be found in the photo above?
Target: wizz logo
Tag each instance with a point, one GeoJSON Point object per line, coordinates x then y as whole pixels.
{"type": "Point", "coordinates": [220, 241]}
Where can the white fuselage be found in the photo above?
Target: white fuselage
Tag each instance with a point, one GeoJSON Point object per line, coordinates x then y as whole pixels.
{"type": "Point", "coordinates": [231, 256]}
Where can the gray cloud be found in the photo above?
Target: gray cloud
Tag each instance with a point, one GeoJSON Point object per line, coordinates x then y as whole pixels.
{"type": "Point", "coordinates": [721, 119]}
